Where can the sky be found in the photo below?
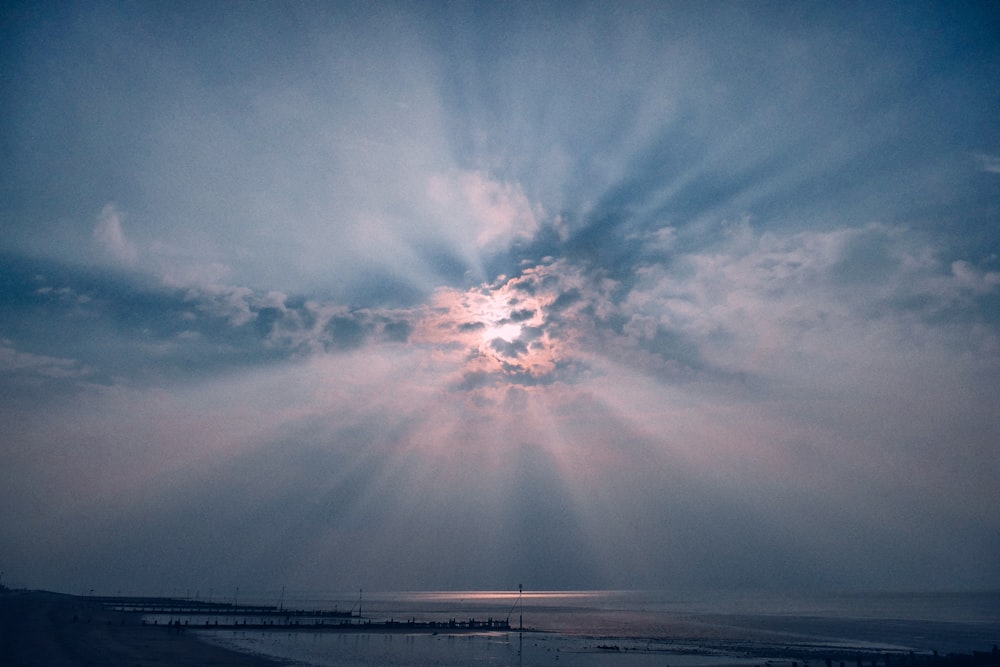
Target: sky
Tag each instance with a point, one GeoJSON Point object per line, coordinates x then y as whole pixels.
{"type": "Point", "coordinates": [687, 296]}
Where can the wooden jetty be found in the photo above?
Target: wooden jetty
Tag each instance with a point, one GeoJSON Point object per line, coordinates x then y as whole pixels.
{"type": "Point", "coordinates": [180, 614]}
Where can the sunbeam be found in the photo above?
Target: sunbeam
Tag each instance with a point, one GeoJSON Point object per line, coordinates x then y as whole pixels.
{"type": "Point", "coordinates": [458, 296]}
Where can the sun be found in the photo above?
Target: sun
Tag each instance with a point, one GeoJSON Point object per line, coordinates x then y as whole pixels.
{"type": "Point", "coordinates": [498, 333]}
{"type": "Point", "coordinates": [511, 337]}
{"type": "Point", "coordinates": [508, 332]}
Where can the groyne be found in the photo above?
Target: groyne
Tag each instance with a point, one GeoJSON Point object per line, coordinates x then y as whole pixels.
{"type": "Point", "coordinates": [180, 614]}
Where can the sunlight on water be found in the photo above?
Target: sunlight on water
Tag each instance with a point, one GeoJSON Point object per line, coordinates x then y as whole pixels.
{"type": "Point", "coordinates": [639, 628]}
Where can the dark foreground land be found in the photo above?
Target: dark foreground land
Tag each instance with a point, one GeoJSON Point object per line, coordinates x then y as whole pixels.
{"type": "Point", "coordinates": [39, 628]}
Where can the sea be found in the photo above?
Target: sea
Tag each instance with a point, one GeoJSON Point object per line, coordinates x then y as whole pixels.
{"type": "Point", "coordinates": [639, 629]}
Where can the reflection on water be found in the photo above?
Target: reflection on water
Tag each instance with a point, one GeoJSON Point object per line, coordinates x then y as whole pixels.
{"type": "Point", "coordinates": [643, 628]}
{"type": "Point", "coordinates": [499, 650]}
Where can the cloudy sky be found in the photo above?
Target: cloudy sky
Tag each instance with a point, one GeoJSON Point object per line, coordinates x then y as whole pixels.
{"type": "Point", "coordinates": [421, 296]}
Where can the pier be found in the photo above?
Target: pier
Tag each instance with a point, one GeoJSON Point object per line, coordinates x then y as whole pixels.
{"type": "Point", "coordinates": [180, 614]}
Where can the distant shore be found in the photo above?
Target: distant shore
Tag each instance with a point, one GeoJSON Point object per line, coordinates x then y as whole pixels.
{"type": "Point", "coordinates": [43, 628]}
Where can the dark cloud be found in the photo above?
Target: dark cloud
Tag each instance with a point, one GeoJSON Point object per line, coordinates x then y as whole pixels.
{"type": "Point", "coordinates": [565, 299]}
{"type": "Point", "coordinates": [529, 334]}
{"type": "Point", "coordinates": [346, 332]}
{"type": "Point", "coordinates": [471, 326]}
{"type": "Point", "coordinates": [397, 331]}
{"type": "Point", "coordinates": [520, 315]}
{"type": "Point", "coordinates": [125, 326]}
{"type": "Point", "coordinates": [508, 348]}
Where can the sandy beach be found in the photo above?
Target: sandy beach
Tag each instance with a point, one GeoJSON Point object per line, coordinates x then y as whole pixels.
{"type": "Point", "coordinates": [49, 629]}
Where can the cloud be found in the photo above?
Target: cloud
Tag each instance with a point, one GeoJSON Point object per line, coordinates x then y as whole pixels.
{"type": "Point", "coordinates": [753, 305]}
{"type": "Point", "coordinates": [694, 296]}
{"type": "Point", "coordinates": [497, 213]}
{"type": "Point", "coordinates": [110, 235]}
{"type": "Point", "coordinates": [989, 163]}
{"type": "Point", "coordinates": [508, 330]}
{"type": "Point", "coordinates": [972, 278]}
{"type": "Point", "coordinates": [781, 296]}
{"type": "Point", "coordinates": [727, 382]}
{"type": "Point", "coordinates": [238, 305]}
{"type": "Point", "coordinates": [15, 361]}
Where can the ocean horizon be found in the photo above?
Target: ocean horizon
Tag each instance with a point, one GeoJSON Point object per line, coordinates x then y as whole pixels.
{"type": "Point", "coordinates": [637, 627]}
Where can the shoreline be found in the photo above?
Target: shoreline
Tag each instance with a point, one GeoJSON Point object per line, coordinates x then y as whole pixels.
{"type": "Point", "coordinates": [45, 628]}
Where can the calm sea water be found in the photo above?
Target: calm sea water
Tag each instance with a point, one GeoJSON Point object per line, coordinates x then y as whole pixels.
{"type": "Point", "coordinates": [638, 628]}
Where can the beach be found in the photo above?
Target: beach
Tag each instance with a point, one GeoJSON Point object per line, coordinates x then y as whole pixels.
{"type": "Point", "coordinates": [40, 628]}
{"type": "Point", "coordinates": [644, 628]}
{"type": "Point", "coordinates": [599, 628]}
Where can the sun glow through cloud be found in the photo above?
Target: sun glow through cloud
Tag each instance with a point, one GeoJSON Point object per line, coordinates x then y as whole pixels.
{"type": "Point", "coordinates": [667, 296]}
{"type": "Point", "coordinates": [506, 332]}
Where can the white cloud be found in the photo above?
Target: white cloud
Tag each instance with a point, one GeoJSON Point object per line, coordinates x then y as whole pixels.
{"type": "Point", "coordinates": [813, 301]}
{"type": "Point", "coordinates": [661, 240]}
{"type": "Point", "coordinates": [238, 305]}
{"type": "Point", "coordinates": [111, 236]}
{"type": "Point", "coordinates": [989, 163]}
{"type": "Point", "coordinates": [498, 212]}
{"type": "Point", "coordinates": [13, 360]}
{"type": "Point", "coordinates": [980, 282]}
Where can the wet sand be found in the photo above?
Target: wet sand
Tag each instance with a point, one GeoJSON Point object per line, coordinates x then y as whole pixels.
{"type": "Point", "coordinates": [40, 628]}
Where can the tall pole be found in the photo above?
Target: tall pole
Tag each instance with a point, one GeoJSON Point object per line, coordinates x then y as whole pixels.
{"type": "Point", "coordinates": [520, 625]}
